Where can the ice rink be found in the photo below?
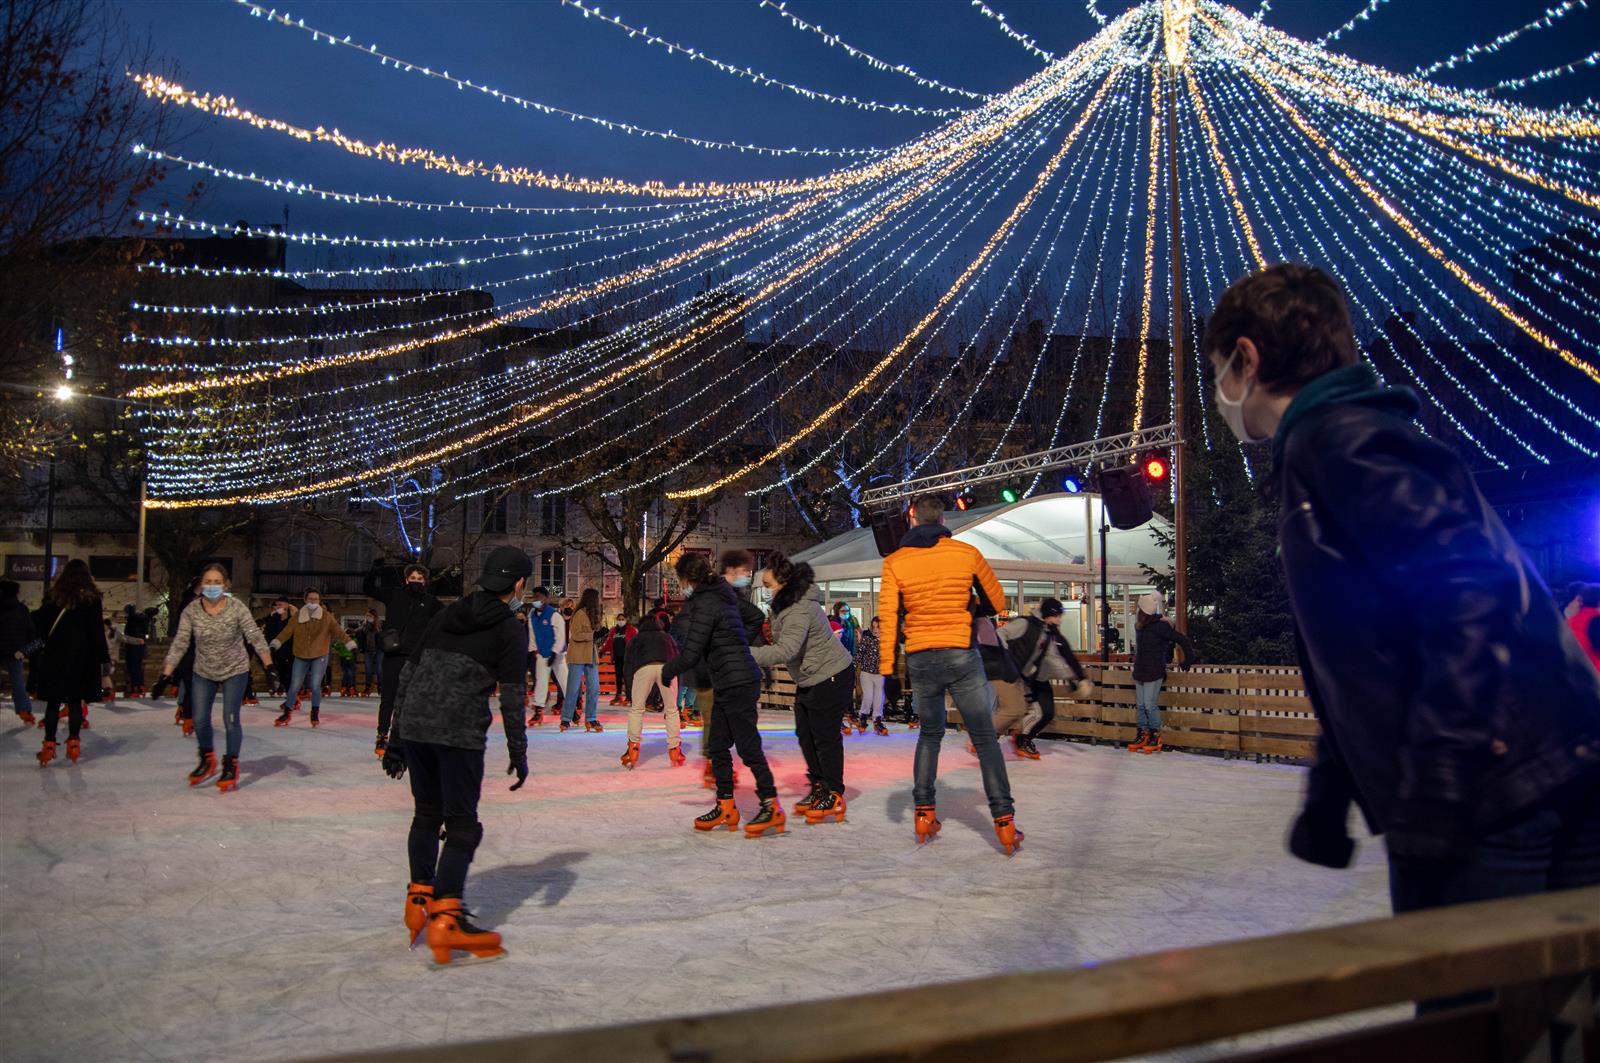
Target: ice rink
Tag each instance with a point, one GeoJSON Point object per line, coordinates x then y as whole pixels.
{"type": "Point", "coordinates": [145, 920]}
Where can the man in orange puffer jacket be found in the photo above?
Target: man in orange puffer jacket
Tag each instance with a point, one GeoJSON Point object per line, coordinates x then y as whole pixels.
{"type": "Point", "coordinates": [933, 586]}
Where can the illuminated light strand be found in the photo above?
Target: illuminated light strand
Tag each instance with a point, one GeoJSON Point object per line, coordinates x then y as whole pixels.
{"type": "Point", "coordinates": [893, 355]}
{"type": "Point", "coordinates": [1149, 244]}
{"type": "Point", "coordinates": [1548, 74]}
{"type": "Point", "coordinates": [1551, 15]}
{"type": "Point", "coordinates": [1227, 172]}
{"type": "Point", "coordinates": [1487, 117]}
{"type": "Point", "coordinates": [871, 60]}
{"type": "Point", "coordinates": [1424, 126]}
{"type": "Point", "coordinates": [1463, 216]}
{"type": "Point", "coordinates": [1411, 230]}
{"type": "Point", "coordinates": [356, 357]}
{"type": "Point", "coordinates": [953, 209]}
{"type": "Point", "coordinates": [385, 59]}
{"type": "Point", "coordinates": [1270, 161]}
{"type": "Point", "coordinates": [1360, 16]}
{"type": "Point", "coordinates": [1021, 38]}
{"type": "Point", "coordinates": [302, 188]}
{"type": "Point", "coordinates": [1200, 285]}
{"type": "Point", "coordinates": [1090, 53]}
{"type": "Point", "coordinates": [755, 75]}
{"type": "Point", "coordinates": [616, 376]}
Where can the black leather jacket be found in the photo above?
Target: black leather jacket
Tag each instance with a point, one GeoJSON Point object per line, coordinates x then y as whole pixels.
{"type": "Point", "coordinates": [1450, 693]}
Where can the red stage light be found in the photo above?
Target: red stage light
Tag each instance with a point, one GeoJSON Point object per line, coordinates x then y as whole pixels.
{"type": "Point", "coordinates": [1155, 468]}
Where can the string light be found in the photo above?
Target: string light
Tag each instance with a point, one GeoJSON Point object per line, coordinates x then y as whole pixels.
{"type": "Point", "coordinates": [1551, 15]}
{"type": "Point", "coordinates": [1360, 16]}
{"type": "Point", "coordinates": [871, 60]}
{"type": "Point", "coordinates": [1021, 38]}
{"type": "Point", "coordinates": [1512, 84]}
{"type": "Point", "coordinates": [1224, 169]}
{"type": "Point", "coordinates": [754, 75]}
{"type": "Point", "coordinates": [385, 59]}
{"type": "Point", "coordinates": [1149, 244]}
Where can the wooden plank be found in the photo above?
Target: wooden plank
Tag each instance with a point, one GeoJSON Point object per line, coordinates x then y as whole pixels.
{"type": "Point", "coordinates": [1278, 747]}
{"type": "Point", "coordinates": [1116, 714]}
{"type": "Point", "coordinates": [1274, 703]}
{"type": "Point", "coordinates": [1285, 683]}
{"type": "Point", "coordinates": [1109, 1010]}
{"type": "Point", "coordinates": [1077, 728]}
{"type": "Point", "coordinates": [1192, 700]}
{"type": "Point", "coordinates": [1280, 725]}
{"type": "Point", "coordinates": [1183, 739]}
{"type": "Point", "coordinates": [1200, 721]}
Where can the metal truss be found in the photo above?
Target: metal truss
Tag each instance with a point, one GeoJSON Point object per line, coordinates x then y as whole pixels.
{"type": "Point", "coordinates": [1077, 454]}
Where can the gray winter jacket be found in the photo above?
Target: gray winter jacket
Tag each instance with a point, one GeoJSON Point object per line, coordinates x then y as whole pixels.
{"type": "Point", "coordinates": [802, 639]}
{"type": "Point", "coordinates": [443, 698]}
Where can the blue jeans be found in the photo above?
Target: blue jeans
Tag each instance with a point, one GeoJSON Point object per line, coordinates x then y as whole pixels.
{"type": "Point", "coordinates": [960, 672]}
{"type": "Point", "coordinates": [18, 670]}
{"type": "Point", "coordinates": [204, 692]}
{"type": "Point", "coordinates": [589, 676]}
{"type": "Point", "coordinates": [686, 694]}
{"type": "Point", "coordinates": [1147, 695]}
{"type": "Point", "coordinates": [306, 668]}
{"type": "Point", "coordinates": [374, 668]}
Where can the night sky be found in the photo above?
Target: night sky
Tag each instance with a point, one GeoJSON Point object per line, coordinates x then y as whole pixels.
{"type": "Point", "coordinates": [554, 55]}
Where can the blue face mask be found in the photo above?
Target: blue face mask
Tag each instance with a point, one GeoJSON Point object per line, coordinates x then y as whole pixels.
{"type": "Point", "coordinates": [741, 581]}
{"type": "Point", "coordinates": [212, 592]}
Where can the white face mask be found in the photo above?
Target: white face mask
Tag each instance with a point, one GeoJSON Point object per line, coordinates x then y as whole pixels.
{"type": "Point", "coordinates": [1232, 410]}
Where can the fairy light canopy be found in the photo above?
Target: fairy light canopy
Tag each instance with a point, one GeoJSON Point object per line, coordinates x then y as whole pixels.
{"type": "Point", "coordinates": [899, 271]}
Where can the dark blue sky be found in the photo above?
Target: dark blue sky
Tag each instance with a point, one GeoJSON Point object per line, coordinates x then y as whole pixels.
{"type": "Point", "coordinates": [553, 54]}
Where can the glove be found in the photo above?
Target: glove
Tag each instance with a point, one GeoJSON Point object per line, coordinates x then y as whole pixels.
{"type": "Point", "coordinates": [1319, 837]}
{"type": "Point", "coordinates": [1428, 830]}
{"type": "Point", "coordinates": [551, 661]}
{"type": "Point", "coordinates": [519, 768]}
{"type": "Point", "coordinates": [1084, 690]}
{"type": "Point", "coordinates": [394, 765]}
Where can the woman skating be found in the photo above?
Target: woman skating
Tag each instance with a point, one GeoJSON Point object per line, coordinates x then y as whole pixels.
{"type": "Point", "coordinates": [583, 668]}
{"type": "Point", "coordinates": [714, 632]}
{"type": "Point", "coordinates": [872, 684]}
{"type": "Point", "coordinates": [218, 626]}
{"type": "Point", "coordinates": [1153, 642]}
{"type": "Point", "coordinates": [823, 676]}
{"type": "Point", "coordinates": [74, 649]}
{"type": "Point", "coordinates": [650, 649]}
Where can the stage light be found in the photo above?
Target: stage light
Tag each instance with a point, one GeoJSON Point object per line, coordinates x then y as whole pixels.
{"type": "Point", "coordinates": [1010, 494]}
{"type": "Point", "coordinates": [963, 502]}
{"type": "Point", "coordinates": [1071, 484]}
{"type": "Point", "coordinates": [1155, 468]}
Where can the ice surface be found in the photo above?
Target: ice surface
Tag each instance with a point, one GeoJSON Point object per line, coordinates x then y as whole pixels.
{"type": "Point", "coordinates": [144, 920]}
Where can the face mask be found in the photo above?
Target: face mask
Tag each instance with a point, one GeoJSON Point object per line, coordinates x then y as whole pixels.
{"type": "Point", "coordinates": [1232, 410]}
{"type": "Point", "coordinates": [566, 612]}
{"type": "Point", "coordinates": [415, 588]}
{"type": "Point", "coordinates": [212, 593]}
{"type": "Point", "coordinates": [844, 614]}
{"type": "Point", "coordinates": [741, 581]}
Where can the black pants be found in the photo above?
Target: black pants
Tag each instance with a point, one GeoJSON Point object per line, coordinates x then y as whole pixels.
{"type": "Point", "coordinates": [818, 714]}
{"type": "Point", "coordinates": [52, 717]}
{"type": "Point", "coordinates": [445, 783]}
{"type": "Point", "coordinates": [1045, 698]}
{"type": "Point", "coordinates": [734, 725]}
{"type": "Point", "coordinates": [390, 687]}
{"type": "Point", "coordinates": [282, 666]}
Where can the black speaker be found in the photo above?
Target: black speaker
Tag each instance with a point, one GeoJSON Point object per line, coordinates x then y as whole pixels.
{"type": "Point", "coordinates": [888, 528]}
{"type": "Point", "coordinates": [1127, 500]}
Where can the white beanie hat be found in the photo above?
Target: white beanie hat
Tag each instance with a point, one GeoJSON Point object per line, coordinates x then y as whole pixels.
{"type": "Point", "coordinates": [1150, 603]}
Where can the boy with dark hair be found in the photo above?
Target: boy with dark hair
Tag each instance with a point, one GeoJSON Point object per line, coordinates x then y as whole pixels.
{"type": "Point", "coordinates": [441, 722]}
{"type": "Point", "coordinates": [1457, 710]}
{"type": "Point", "coordinates": [408, 608]}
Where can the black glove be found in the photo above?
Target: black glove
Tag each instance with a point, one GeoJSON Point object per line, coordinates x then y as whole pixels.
{"type": "Point", "coordinates": [394, 764]}
{"type": "Point", "coordinates": [1319, 837]}
{"type": "Point", "coordinates": [1428, 830]}
{"type": "Point", "coordinates": [519, 768]}
{"type": "Point", "coordinates": [551, 661]}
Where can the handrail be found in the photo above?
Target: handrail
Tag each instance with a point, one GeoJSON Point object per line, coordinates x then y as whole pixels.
{"type": "Point", "coordinates": [1106, 1011]}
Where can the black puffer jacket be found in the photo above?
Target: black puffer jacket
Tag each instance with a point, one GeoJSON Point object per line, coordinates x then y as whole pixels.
{"type": "Point", "coordinates": [1451, 695]}
{"type": "Point", "coordinates": [16, 627]}
{"type": "Point", "coordinates": [714, 632]}
{"type": "Point", "coordinates": [444, 688]}
{"type": "Point", "coordinates": [650, 645]}
{"type": "Point", "coordinates": [408, 612]}
{"type": "Point", "coordinates": [1152, 649]}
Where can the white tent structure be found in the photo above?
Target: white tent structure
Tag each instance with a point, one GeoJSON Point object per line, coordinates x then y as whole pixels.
{"type": "Point", "coordinates": [1043, 547]}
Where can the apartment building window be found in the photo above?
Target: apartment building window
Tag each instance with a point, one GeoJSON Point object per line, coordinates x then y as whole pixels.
{"type": "Point", "coordinates": [553, 570]}
{"type": "Point", "coordinates": [553, 515]}
{"type": "Point", "coordinates": [496, 519]}
{"type": "Point", "coordinates": [758, 517]}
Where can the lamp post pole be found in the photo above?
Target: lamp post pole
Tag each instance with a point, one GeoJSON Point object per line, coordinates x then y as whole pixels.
{"type": "Point", "coordinates": [49, 528]}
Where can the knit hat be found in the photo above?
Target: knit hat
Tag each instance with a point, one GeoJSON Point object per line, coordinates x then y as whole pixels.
{"type": "Point", "coordinates": [503, 567]}
{"type": "Point", "coordinates": [1050, 607]}
{"type": "Point", "coordinates": [1150, 603]}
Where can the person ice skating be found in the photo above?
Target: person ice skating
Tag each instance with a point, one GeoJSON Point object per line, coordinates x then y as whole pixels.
{"type": "Point", "coordinates": [1584, 622]}
{"type": "Point", "coordinates": [16, 635]}
{"type": "Point", "coordinates": [132, 638]}
{"type": "Point", "coordinates": [271, 628]}
{"type": "Point", "coordinates": [440, 729]}
{"type": "Point", "coordinates": [583, 668]}
{"type": "Point", "coordinates": [547, 638]}
{"type": "Point", "coordinates": [1043, 656]}
{"type": "Point", "coordinates": [650, 649]}
{"type": "Point", "coordinates": [218, 626]}
{"type": "Point", "coordinates": [1458, 712]}
{"type": "Point", "coordinates": [938, 585]}
{"type": "Point", "coordinates": [311, 632]}
{"type": "Point", "coordinates": [408, 609]}
{"type": "Point", "coordinates": [74, 649]}
{"type": "Point", "coordinates": [616, 648]}
{"type": "Point", "coordinates": [823, 677]}
{"type": "Point", "coordinates": [849, 628]}
{"type": "Point", "coordinates": [1005, 679]}
{"type": "Point", "coordinates": [1153, 639]}
{"type": "Point", "coordinates": [715, 633]}
{"type": "Point", "coordinates": [370, 636]}
{"type": "Point", "coordinates": [872, 684]}
{"type": "Point", "coordinates": [349, 663]}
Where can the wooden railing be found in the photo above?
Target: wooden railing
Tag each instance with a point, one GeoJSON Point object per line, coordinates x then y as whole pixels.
{"type": "Point", "coordinates": [1540, 954]}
